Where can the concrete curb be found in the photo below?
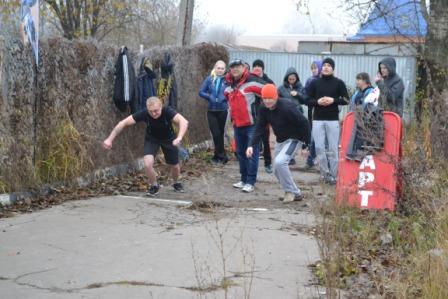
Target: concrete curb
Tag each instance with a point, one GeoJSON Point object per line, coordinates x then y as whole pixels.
{"type": "Point", "coordinates": [7, 199]}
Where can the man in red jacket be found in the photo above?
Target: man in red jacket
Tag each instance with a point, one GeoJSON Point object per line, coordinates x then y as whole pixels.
{"type": "Point", "coordinates": [241, 90]}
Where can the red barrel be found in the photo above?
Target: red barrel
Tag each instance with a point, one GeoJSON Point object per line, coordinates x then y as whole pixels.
{"type": "Point", "coordinates": [374, 182]}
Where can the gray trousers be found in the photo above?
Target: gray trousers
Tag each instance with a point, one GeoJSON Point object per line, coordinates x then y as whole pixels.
{"type": "Point", "coordinates": [328, 160]}
{"type": "Point", "coordinates": [283, 153]}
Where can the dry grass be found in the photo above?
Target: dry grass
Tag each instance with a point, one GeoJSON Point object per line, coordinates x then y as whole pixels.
{"type": "Point", "coordinates": [3, 187]}
{"type": "Point", "coordinates": [66, 156]}
{"type": "Point", "coordinates": [401, 254]}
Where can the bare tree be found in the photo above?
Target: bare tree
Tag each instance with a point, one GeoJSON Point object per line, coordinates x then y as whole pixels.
{"type": "Point", "coordinates": [79, 18]}
{"type": "Point", "coordinates": [436, 46]}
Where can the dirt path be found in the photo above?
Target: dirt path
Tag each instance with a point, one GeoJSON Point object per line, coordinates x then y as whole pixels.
{"type": "Point", "coordinates": [216, 185]}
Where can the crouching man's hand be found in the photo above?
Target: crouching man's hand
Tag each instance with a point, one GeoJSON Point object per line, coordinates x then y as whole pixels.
{"type": "Point", "coordinates": [177, 141]}
{"type": "Point", "coordinates": [304, 153]}
{"type": "Point", "coordinates": [249, 152]}
{"type": "Point", "coordinates": [107, 144]}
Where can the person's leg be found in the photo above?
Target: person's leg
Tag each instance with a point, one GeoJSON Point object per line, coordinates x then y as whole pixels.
{"type": "Point", "coordinates": [311, 154]}
{"type": "Point", "coordinates": [222, 118]}
{"type": "Point", "coordinates": [149, 169]}
{"type": "Point", "coordinates": [353, 144]}
{"type": "Point", "coordinates": [150, 150]}
{"type": "Point", "coordinates": [333, 143]}
{"type": "Point", "coordinates": [284, 152]}
{"type": "Point", "coordinates": [319, 142]}
{"type": "Point", "coordinates": [213, 124]}
{"type": "Point", "coordinates": [252, 162]}
{"type": "Point", "coordinates": [313, 150]}
{"type": "Point", "coordinates": [171, 154]}
{"type": "Point", "coordinates": [266, 147]}
{"type": "Point", "coordinates": [175, 172]}
{"type": "Point", "coordinates": [241, 145]}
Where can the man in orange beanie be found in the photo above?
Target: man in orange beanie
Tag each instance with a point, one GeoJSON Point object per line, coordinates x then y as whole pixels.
{"type": "Point", "coordinates": [291, 129]}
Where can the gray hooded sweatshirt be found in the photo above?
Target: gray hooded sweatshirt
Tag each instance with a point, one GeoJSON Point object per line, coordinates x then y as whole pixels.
{"type": "Point", "coordinates": [284, 91]}
{"type": "Point", "coordinates": [391, 88]}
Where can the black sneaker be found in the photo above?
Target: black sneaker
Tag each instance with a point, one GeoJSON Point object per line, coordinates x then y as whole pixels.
{"type": "Point", "coordinates": [215, 161]}
{"type": "Point", "coordinates": [292, 162]}
{"type": "Point", "coordinates": [153, 190]}
{"type": "Point", "coordinates": [299, 197]}
{"type": "Point", "coordinates": [178, 187]}
{"type": "Point", "coordinates": [330, 180]}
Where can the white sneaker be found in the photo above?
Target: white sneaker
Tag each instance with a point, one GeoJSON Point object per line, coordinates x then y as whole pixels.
{"type": "Point", "coordinates": [289, 197]}
{"type": "Point", "coordinates": [239, 185]}
{"type": "Point", "coordinates": [248, 188]}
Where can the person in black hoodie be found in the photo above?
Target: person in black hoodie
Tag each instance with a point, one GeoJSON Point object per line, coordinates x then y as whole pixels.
{"type": "Point", "coordinates": [292, 89]}
{"type": "Point", "coordinates": [290, 128]}
{"type": "Point", "coordinates": [326, 93]}
{"type": "Point", "coordinates": [258, 70]}
{"type": "Point", "coordinates": [391, 86]}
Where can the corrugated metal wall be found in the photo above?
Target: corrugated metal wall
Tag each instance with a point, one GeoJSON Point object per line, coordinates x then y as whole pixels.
{"type": "Point", "coordinates": [347, 66]}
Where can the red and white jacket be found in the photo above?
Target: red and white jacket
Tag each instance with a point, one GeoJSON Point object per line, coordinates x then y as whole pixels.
{"type": "Point", "coordinates": [241, 98]}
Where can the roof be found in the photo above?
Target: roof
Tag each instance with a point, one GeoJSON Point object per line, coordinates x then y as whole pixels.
{"type": "Point", "coordinates": [394, 18]}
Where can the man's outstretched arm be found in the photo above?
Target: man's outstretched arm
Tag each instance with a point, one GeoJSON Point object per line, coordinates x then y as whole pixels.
{"type": "Point", "coordinates": [183, 126]}
{"type": "Point", "coordinates": [128, 121]}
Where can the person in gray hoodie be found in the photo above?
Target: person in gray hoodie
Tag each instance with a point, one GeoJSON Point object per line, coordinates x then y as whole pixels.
{"type": "Point", "coordinates": [391, 86]}
{"type": "Point", "coordinates": [292, 89]}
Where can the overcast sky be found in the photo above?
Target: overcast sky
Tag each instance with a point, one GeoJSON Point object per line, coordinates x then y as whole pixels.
{"type": "Point", "coordinates": [259, 17]}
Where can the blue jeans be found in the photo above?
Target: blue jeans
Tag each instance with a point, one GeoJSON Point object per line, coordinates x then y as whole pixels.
{"type": "Point", "coordinates": [248, 166]}
{"type": "Point", "coordinates": [312, 154]}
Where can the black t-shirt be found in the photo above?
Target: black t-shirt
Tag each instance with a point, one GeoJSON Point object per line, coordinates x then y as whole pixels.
{"type": "Point", "coordinates": [160, 128]}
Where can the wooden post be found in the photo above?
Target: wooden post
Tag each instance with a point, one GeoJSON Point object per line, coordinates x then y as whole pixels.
{"type": "Point", "coordinates": [185, 24]}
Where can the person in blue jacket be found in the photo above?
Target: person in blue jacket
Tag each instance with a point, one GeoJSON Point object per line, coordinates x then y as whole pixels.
{"type": "Point", "coordinates": [363, 88]}
{"type": "Point", "coordinates": [212, 90]}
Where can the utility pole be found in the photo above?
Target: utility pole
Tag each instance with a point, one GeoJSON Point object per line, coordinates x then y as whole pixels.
{"type": "Point", "coordinates": [185, 24]}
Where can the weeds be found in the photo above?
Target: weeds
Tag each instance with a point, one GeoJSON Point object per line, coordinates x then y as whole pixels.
{"type": "Point", "coordinates": [401, 254]}
{"type": "Point", "coordinates": [3, 187]}
{"type": "Point", "coordinates": [66, 156]}
{"type": "Point", "coordinates": [219, 232]}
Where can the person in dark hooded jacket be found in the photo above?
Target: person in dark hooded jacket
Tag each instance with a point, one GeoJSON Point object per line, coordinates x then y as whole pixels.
{"type": "Point", "coordinates": [265, 147]}
{"type": "Point", "coordinates": [391, 86]}
{"type": "Point", "coordinates": [292, 89]}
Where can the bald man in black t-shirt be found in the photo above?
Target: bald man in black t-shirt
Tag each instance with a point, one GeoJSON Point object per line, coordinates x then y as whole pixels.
{"type": "Point", "coordinates": [159, 134]}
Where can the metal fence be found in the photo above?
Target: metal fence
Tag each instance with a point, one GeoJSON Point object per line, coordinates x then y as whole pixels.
{"type": "Point", "coordinates": [346, 68]}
